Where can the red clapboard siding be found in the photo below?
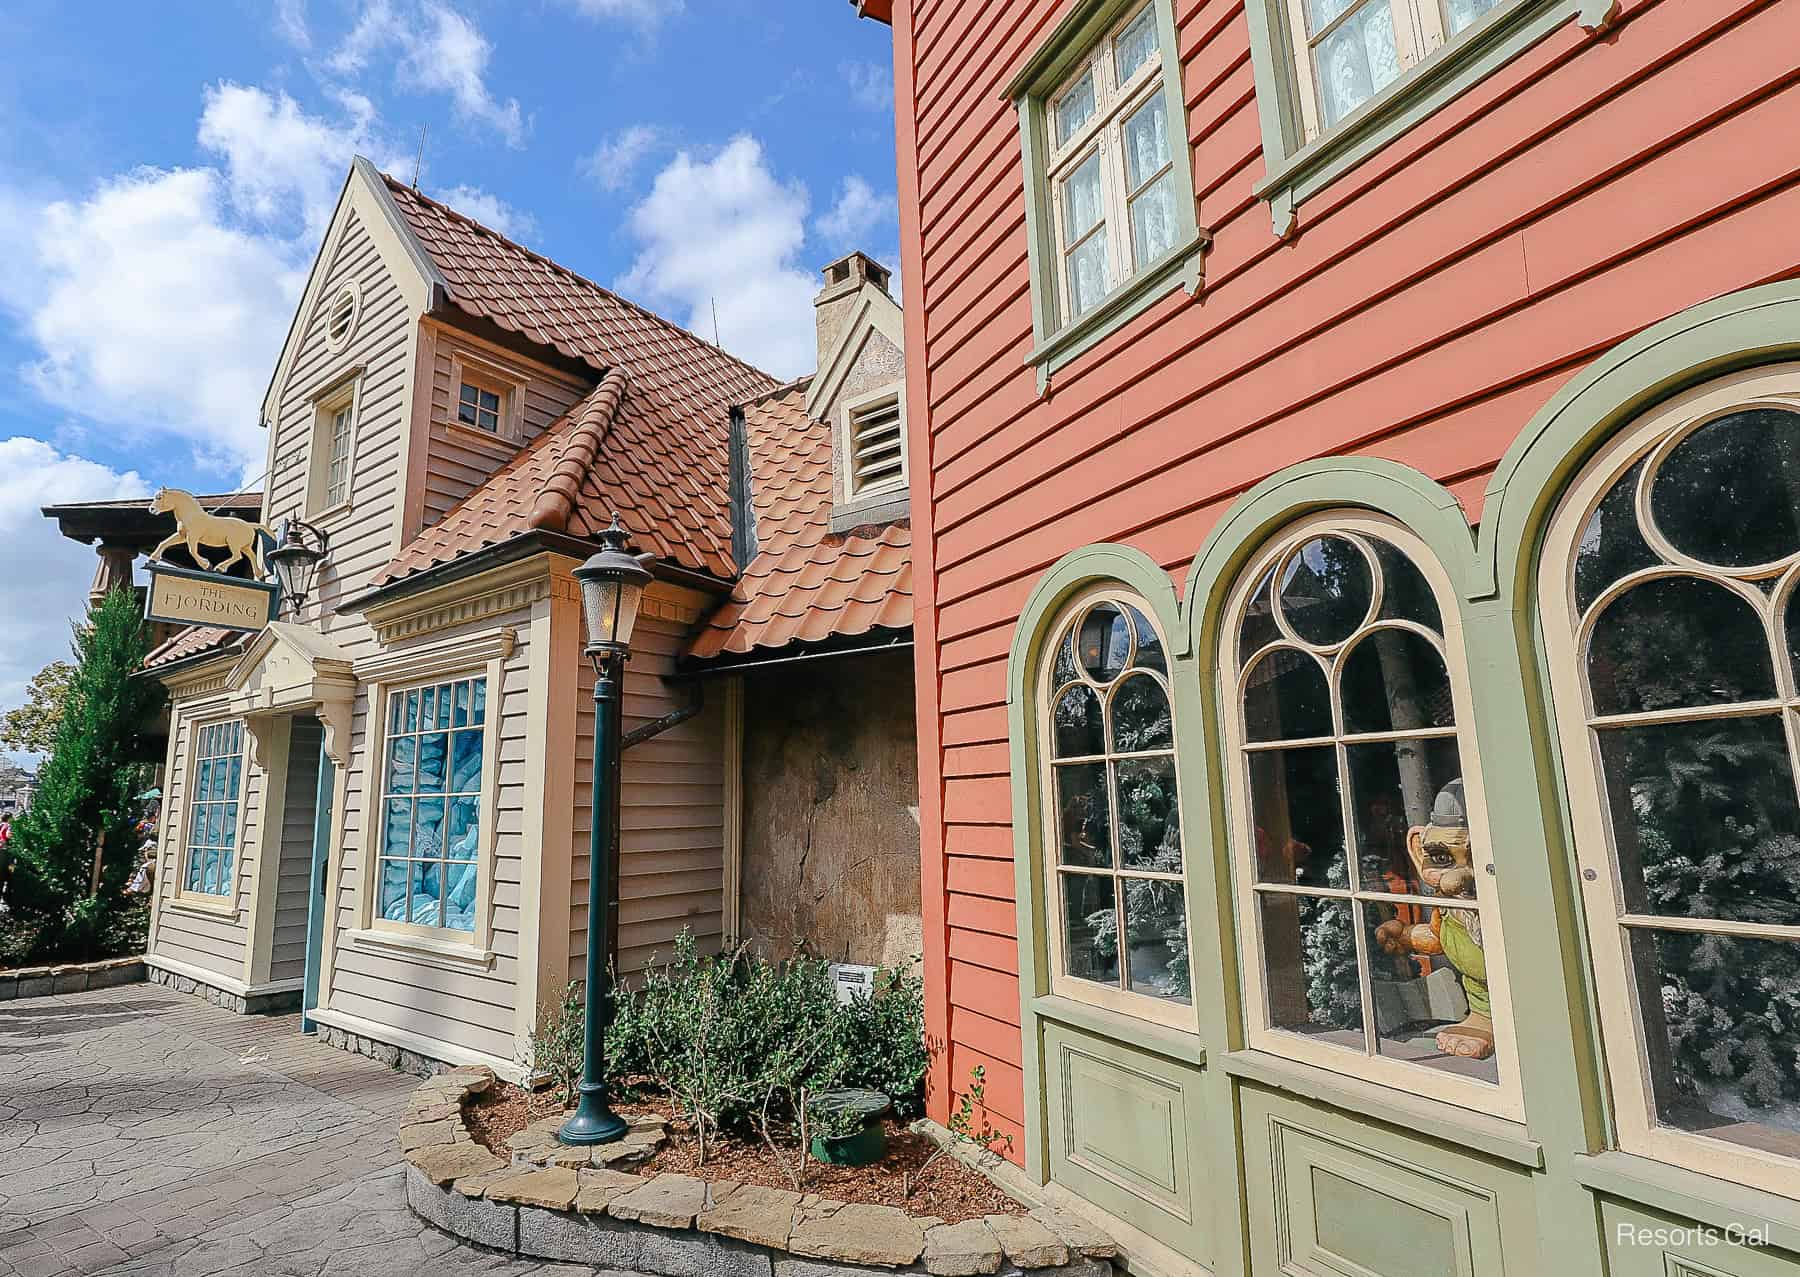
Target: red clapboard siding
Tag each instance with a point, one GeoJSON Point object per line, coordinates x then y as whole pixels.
{"type": "Point", "coordinates": [1434, 299]}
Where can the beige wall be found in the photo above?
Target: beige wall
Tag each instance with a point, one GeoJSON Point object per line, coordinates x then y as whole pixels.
{"type": "Point", "coordinates": [672, 814]}
{"type": "Point", "coordinates": [293, 889]}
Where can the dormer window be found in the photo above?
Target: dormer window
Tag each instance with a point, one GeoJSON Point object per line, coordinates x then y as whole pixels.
{"type": "Point", "coordinates": [478, 404]}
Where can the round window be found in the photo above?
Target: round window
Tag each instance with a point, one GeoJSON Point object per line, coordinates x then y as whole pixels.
{"type": "Point", "coordinates": [340, 317]}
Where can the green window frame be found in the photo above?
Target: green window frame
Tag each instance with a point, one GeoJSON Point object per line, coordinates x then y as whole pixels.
{"type": "Point", "coordinates": [1299, 161]}
{"type": "Point", "coordinates": [1087, 41]}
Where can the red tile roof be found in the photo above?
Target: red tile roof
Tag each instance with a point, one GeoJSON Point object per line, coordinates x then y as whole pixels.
{"type": "Point", "coordinates": [665, 465]}
{"type": "Point", "coordinates": [807, 583]}
{"type": "Point", "coordinates": [195, 640]}
{"type": "Point", "coordinates": [671, 492]}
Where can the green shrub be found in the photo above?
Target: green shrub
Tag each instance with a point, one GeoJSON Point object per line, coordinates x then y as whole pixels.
{"type": "Point", "coordinates": [87, 789]}
{"type": "Point", "coordinates": [737, 1040]}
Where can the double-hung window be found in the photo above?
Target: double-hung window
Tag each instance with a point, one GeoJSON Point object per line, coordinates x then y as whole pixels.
{"type": "Point", "coordinates": [1111, 166]}
{"type": "Point", "coordinates": [214, 792]}
{"type": "Point", "coordinates": [1108, 183]}
{"type": "Point", "coordinates": [428, 860]}
{"type": "Point", "coordinates": [1347, 51]}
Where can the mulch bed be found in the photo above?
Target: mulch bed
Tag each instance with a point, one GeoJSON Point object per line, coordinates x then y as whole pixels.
{"type": "Point", "coordinates": [948, 1189]}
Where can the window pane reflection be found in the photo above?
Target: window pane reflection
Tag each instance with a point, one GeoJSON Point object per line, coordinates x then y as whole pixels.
{"type": "Point", "coordinates": [1309, 973]}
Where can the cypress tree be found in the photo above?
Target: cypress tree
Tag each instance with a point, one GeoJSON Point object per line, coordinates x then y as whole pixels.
{"type": "Point", "coordinates": [88, 785]}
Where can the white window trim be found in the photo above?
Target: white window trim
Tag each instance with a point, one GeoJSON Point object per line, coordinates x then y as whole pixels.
{"type": "Point", "coordinates": [432, 668]}
{"type": "Point", "coordinates": [1419, 30]}
{"type": "Point", "coordinates": [509, 383]}
{"type": "Point", "coordinates": [344, 392]}
{"type": "Point", "coordinates": [1103, 133]}
{"type": "Point", "coordinates": [1503, 1099]}
{"type": "Point", "coordinates": [223, 904]}
{"type": "Point", "coordinates": [849, 500]}
{"type": "Point", "coordinates": [1627, 1062]}
{"type": "Point", "coordinates": [1139, 1006]}
{"type": "Point", "coordinates": [351, 291]}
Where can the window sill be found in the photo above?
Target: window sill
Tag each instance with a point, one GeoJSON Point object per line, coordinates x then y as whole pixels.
{"type": "Point", "coordinates": [331, 514]}
{"type": "Point", "coordinates": [1719, 1203]}
{"type": "Point", "coordinates": [219, 907]}
{"type": "Point", "coordinates": [1181, 263]}
{"type": "Point", "coordinates": [463, 429]}
{"type": "Point", "coordinates": [1125, 1029]}
{"type": "Point", "coordinates": [450, 955]}
{"type": "Point", "coordinates": [1482, 1132]}
{"type": "Point", "coordinates": [1432, 84]}
{"type": "Point", "coordinates": [874, 509]}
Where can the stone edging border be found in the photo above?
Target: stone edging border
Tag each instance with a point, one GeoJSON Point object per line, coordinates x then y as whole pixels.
{"type": "Point", "coordinates": [679, 1226]}
{"type": "Point", "coordinates": [69, 977]}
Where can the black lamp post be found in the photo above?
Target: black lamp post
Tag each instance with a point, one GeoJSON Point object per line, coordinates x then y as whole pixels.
{"type": "Point", "coordinates": [612, 586]}
{"type": "Point", "coordinates": [299, 549]}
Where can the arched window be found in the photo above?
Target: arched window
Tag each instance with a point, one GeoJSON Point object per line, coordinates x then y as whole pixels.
{"type": "Point", "coordinates": [1113, 825]}
{"type": "Point", "coordinates": [1667, 589]}
{"type": "Point", "coordinates": [1362, 861]}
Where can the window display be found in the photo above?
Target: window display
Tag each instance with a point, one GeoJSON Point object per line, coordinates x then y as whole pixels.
{"type": "Point", "coordinates": [431, 805]}
{"type": "Point", "coordinates": [1361, 857]}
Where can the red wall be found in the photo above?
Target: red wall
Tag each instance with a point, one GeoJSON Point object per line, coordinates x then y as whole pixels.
{"type": "Point", "coordinates": [1432, 301]}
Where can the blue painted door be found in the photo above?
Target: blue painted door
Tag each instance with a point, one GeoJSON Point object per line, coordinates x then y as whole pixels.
{"type": "Point", "coordinates": [317, 901]}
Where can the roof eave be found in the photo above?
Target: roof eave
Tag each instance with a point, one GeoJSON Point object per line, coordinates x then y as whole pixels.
{"type": "Point", "coordinates": [521, 546]}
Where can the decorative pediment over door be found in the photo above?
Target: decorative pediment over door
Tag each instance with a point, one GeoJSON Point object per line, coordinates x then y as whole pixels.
{"type": "Point", "coordinates": [290, 669]}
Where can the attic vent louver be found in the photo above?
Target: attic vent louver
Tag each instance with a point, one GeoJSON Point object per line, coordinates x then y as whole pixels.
{"type": "Point", "coordinates": [340, 321]}
{"type": "Point", "coordinates": [877, 456]}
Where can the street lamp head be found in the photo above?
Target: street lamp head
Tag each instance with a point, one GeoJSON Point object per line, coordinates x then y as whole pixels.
{"type": "Point", "coordinates": [612, 586]}
{"type": "Point", "coordinates": [299, 549]}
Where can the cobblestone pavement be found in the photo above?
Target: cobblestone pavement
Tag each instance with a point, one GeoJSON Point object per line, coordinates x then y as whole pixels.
{"type": "Point", "coordinates": [144, 1131]}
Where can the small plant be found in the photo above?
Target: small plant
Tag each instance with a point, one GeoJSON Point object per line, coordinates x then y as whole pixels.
{"type": "Point", "coordinates": [962, 1121]}
{"type": "Point", "coordinates": [556, 1043]}
{"type": "Point", "coordinates": [962, 1128]}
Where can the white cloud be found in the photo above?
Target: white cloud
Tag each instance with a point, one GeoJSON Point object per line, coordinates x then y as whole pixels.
{"type": "Point", "coordinates": [46, 575]}
{"type": "Point", "coordinates": [278, 159]}
{"type": "Point", "coordinates": [616, 159]}
{"type": "Point", "coordinates": [160, 314]}
{"type": "Point", "coordinates": [643, 13]}
{"type": "Point", "coordinates": [158, 301]}
{"type": "Point", "coordinates": [290, 23]}
{"type": "Point", "coordinates": [871, 84]}
{"type": "Point", "coordinates": [858, 211]}
{"type": "Point", "coordinates": [490, 210]}
{"type": "Point", "coordinates": [439, 51]}
{"type": "Point", "coordinates": [725, 229]}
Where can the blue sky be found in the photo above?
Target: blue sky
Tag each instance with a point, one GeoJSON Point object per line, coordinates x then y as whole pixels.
{"type": "Point", "coordinates": [166, 171]}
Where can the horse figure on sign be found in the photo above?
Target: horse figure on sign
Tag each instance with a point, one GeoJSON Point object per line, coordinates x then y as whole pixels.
{"type": "Point", "coordinates": [194, 528]}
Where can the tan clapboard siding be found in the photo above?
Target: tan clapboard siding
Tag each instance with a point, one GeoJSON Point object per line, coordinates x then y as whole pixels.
{"type": "Point", "coordinates": [293, 887]}
{"type": "Point", "coordinates": [470, 1009]}
{"type": "Point", "coordinates": [363, 540]}
{"type": "Point", "coordinates": [671, 814]}
{"type": "Point", "coordinates": [460, 459]}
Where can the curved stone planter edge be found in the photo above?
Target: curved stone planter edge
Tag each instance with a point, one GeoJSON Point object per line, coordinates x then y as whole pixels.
{"type": "Point", "coordinates": [678, 1226]}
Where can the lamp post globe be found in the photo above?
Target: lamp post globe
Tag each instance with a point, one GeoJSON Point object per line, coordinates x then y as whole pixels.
{"type": "Point", "coordinates": [612, 586]}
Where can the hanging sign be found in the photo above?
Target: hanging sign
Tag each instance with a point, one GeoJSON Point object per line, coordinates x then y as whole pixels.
{"type": "Point", "coordinates": [185, 596]}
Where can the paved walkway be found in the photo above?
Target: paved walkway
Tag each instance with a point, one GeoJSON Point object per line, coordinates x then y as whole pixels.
{"type": "Point", "coordinates": [143, 1131]}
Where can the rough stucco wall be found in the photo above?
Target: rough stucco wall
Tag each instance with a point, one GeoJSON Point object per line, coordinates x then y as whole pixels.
{"type": "Point", "coordinates": [831, 793]}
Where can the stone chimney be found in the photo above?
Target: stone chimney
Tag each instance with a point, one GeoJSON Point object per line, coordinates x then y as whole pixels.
{"type": "Point", "coordinates": [844, 278]}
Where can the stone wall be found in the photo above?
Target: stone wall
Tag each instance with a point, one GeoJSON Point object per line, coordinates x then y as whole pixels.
{"type": "Point", "coordinates": [243, 1004]}
{"type": "Point", "coordinates": [831, 797]}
